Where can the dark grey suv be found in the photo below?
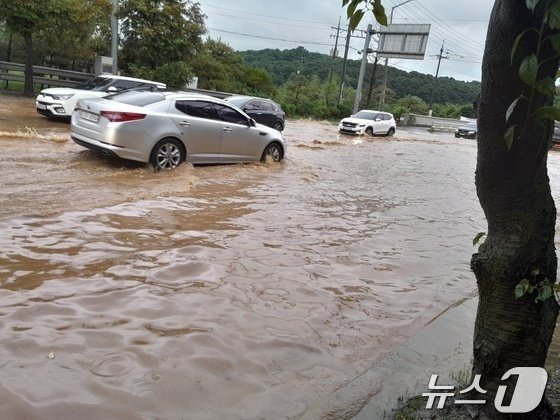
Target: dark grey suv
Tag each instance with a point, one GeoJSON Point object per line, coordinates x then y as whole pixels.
{"type": "Point", "coordinates": [264, 111]}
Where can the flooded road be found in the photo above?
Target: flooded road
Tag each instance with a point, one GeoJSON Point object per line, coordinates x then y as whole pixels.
{"type": "Point", "coordinates": [237, 291]}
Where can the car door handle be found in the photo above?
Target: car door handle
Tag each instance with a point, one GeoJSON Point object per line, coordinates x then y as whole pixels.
{"type": "Point", "coordinates": [185, 123]}
{"type": "Point", "coordinates": [227, 129]}
{"type": "Point", "coordinates": [259, 113]}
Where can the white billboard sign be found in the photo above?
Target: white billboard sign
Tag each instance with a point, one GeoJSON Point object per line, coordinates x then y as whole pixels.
{"type": "Point", "coordinates": [403, 41]}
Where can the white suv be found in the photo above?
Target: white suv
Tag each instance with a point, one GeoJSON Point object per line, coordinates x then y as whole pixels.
{"type": "Point", "coordinates": [369, 122]}
{"type": "Point", "coordinates": [59, 103]}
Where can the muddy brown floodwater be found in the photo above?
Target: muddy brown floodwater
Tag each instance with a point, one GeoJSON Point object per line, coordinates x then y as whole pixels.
{"type": "Point", "coordinates": [234, 292]}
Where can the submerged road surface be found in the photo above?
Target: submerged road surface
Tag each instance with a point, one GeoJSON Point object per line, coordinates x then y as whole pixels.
{"type": "Point", "coordinates": [238, 291]}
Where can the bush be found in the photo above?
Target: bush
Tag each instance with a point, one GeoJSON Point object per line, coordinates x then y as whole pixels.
{"type": "Point", "coordinates": [175, 75]}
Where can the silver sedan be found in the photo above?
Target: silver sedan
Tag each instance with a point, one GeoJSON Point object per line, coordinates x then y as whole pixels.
{"type": "Point", "coordinates": [167, 128]}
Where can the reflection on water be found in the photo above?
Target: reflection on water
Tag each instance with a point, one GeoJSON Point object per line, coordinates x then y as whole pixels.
{"type": "Point", "coordinates": [240, 291]}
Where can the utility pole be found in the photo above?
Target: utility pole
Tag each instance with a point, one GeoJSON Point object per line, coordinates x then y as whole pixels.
{"type": "Point", "coordinates": [301, 61]}
{"type": "Point", "coordinates": [382, 99]}
{"type": "Point", "coordinates": [440, 56]}
{"type": "Point", "coordinates": [333, 55]}
{"type": "Point", "coordinates": [114, 36]}
{"type": "Point", "coordinates": [371, 82]}
{"type": "Point", "coordinates": [341, 88]}
{"type": "Point", "coordinates": [362, 70]}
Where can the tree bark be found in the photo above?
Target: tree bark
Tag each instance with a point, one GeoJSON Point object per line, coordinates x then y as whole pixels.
{"type": "Point", "coordinates": [514, 191]}
{"type": "Point", "coordinates": [28, 86]}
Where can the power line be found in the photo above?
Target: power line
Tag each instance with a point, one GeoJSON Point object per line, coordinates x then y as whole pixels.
{"type": "Point", "coordinates": [268, 37]}
{"type": "Point", "coordinates": [256, 14]}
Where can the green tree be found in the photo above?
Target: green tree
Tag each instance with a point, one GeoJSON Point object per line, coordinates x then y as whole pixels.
{"type": "Point", "coordinates": [514, 191]}
{"type": "Point", "coordinates": [216, 65]}
{"type": "Point", "coordinates": [303, 95]}
{"type": "Point", "coordinates": [160, 33]}
{"type": "Point", "coordinates": [83, 30]}
{"type": "Point", "coordinates": [467, 111]}
{"type": "Point", "coordinates": [28, 17]}
{"type": "Point", "coordinates": [253, 81]}
{"type": "Point", "coordinates": [446, 110]}
{"type": "Point", "coordinates": [513, 187]}
{"type": "Point", "coordinates": [412, 104]}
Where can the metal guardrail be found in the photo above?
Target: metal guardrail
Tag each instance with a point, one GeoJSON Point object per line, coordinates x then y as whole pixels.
{"type": "Point", "coordinates": [214, 93]}
{"type": "Point", "coordinates": [47, 76]}
{"type": "Point", "coordinates": [15, 72]}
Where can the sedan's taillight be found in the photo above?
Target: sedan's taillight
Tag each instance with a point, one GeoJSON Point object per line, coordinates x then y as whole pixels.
{"type": "Point", "coordinates": [115, 116]}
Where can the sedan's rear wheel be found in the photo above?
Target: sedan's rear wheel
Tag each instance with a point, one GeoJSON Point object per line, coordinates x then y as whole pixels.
{"type": "Point", "coordinates": [167, 154]}
{"type": "Point", "coordinates": [273, 152]}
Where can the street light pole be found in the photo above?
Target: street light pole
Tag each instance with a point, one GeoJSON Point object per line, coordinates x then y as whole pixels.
{"type": "Point", "coordinates": [362, 70]}
{"type": "Point", "coordinates": [382, 100]}
{"type": "Point", "coordinates": [114, 36]}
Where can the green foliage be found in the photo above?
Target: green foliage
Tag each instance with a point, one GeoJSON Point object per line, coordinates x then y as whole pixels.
{"type": "Point", "coordinates": [537, 283]}
{"type": "Point", "coordinates": [447, 110]}
{"type": "Point", "coordinates": [80, 26]}
{"type": "Point", "coordinates": [303, 93]}
{"type": "Point", "coordinates": [216, 65]}
{"type": "Point", "coordinates": [411, 104]}
{"type": "Point", "coordinates": [530, 64]}
{"type": "Point", "coordinates": [478, 237]}
{"type": "Point", "coordinates": [156, 33]}
{"type": "Point", "coordinates": [175, 75]}
{"type": "Point", "coordinates": [253, 81]}
{"type": "Point", "coordinates": [28, 17]}
{"type": "Point", "coordinates": [282, 65]}
{"type": "Point", "coordinates": [219, 67]}
{"type": "Point", "coordinates": [467, 110]}
{"type": "Point", "coordinates": [356, 13]}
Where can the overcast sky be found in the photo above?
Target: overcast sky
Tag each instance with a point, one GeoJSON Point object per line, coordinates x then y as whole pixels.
{"type": "Point", "coordinates": [285, 24]}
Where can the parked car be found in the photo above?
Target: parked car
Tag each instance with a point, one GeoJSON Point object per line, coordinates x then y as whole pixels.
{"type": "Point", "coordinates": [369, 122]}
{"type": "Point", "coordinates": [264, 111]}
{"type": "Point", "coordinates": [556, 133]}
{"type": "Point", "coordinates": [59, 103]}
{"type": "Point", "coordinates": [167, 128]}
{"type": "Point", "coordinates": [468, 131]}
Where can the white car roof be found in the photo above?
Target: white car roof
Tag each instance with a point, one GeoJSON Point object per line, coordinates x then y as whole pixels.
{"type": "Point", "coordinates": [134, 79]}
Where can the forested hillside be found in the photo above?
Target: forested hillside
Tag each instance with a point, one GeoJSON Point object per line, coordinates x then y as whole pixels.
{"type": "Point", "coordinates": [283, 65]}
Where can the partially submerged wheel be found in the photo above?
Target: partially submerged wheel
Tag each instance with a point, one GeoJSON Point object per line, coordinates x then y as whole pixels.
{"type": "Point", "coordinates": [273, 152]}
{"type": "Point", "coordinates": [391, 132]}
{"type": "Point", "coordinates": [369, 131]}
{"type": "Point", "coordinates": [167, 154]}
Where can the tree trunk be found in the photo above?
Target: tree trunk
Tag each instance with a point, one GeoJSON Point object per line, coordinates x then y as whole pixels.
{"type": "Point", "coordinates": [28, 86]}
{"type": "Point", "coordinates": [514, 191]}
{"type": "Point", "coordinates": [8, 55]}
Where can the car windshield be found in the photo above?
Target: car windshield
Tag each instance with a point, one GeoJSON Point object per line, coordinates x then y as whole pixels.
{"type": "Point", "coordinates": [365, 115]}
{"type": "Point", "coordinates": [137, 98]}
{"type": "Point", "coordinates": [98, 83]}
{"type": "Point", "coordinates": [238, 101]}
